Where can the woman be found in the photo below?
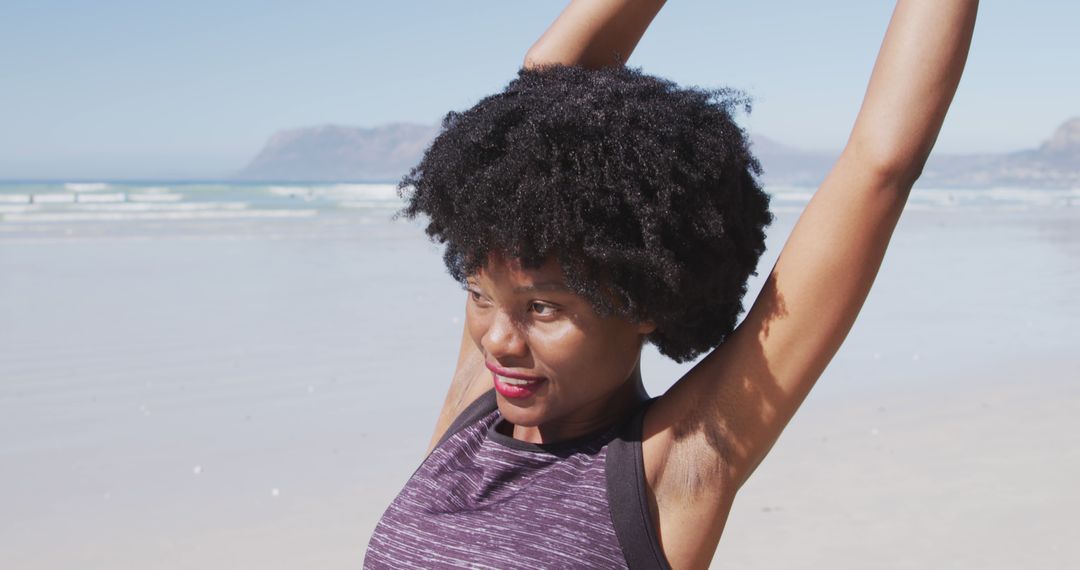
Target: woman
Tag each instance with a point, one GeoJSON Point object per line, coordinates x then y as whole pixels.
{"type": "Point", "coordinates": [588, 209]}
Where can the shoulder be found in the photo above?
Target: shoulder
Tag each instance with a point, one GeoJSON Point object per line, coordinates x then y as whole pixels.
{"type": "Point", "coordinates": [470, 384]}
{"type": "Point", "coordinates": [474, 411]}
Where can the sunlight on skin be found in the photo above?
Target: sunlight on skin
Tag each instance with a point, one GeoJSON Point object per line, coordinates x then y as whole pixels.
{"type": "Point", "coordinates": [709, 432]}
{"type": "Point", "coordinates": [525, 320]}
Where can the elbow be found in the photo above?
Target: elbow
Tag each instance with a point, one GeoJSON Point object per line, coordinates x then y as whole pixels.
{"type": "Point", "coordinates": [542, 53]}
{"type": "Point", "coordinates": [538, 57]}
{"type": "Point", "coordinates": [902, 173]}
{"type": "Point", "coordinates": [532, 59]}
{"type": "Point", "coordinates": [897, 166]}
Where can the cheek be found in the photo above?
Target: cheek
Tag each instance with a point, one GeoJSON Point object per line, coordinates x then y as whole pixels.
{"type": "Point", "coordinates": [576, 354]}
{"type": "Point", "coordinates": [560, 348]}
{"type": "Point", "coordinates": [475, 324]}
{"type": "Point", "coordinates": [612, 354]}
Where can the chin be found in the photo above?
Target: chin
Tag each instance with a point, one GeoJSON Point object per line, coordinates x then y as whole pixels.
{"type": "Point", "coordinates": [528, 415]}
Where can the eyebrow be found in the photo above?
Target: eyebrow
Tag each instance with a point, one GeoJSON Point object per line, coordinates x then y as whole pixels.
{"type": "Point", "coordinates": [543, 286]}
{"type": "Point", "coordinates": [555, 286]}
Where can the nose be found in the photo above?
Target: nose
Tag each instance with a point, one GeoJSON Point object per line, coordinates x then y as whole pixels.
{"type": "Point", "coordinates": [503, 338]}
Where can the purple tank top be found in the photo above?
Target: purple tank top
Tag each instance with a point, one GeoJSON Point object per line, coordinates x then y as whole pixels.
{"type": "Point", "coordinates": [483, 499]}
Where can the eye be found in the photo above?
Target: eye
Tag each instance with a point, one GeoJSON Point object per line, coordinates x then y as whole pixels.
{"type": "Point", "coordinates": [542, 309]}
{"type": "Point", "coordinates": [475, 296]}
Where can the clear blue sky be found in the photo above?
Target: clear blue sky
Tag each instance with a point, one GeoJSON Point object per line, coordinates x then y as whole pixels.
{"type": "Point", "coordinates": [171, 89]}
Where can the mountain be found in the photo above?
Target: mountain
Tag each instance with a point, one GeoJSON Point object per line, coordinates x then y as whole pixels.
{"type": "Point", "coordinates": [338, 153]}
{"type": "Point", "coordinates": [335, 153]}
{"type": "Point", "coordinates": [1055, 164]}
{"type": "Point", "coordinates": [788, 166]}
{"type": "Point", "coordinates": [1066, 140]}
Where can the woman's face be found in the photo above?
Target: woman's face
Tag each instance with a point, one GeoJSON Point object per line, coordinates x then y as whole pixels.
{"type": "Point", "coordinates": [559, 369]}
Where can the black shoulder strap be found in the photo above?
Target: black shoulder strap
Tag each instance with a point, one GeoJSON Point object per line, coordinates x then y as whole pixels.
{"type": "Point", "coordinates": [472, 413]}
{"type": "Point", "coordinates": [628, 498]}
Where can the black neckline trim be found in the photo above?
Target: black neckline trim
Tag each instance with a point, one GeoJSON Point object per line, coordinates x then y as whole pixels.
{"type": "Point", "coordinates": [579, 442]}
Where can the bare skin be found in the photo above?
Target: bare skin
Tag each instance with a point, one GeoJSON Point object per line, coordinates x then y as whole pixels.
{"type": "Point", "coordinates": [706, 435]}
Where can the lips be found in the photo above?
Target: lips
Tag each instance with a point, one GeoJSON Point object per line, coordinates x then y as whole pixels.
{"type": "Point", "coordinates": [514, 384]}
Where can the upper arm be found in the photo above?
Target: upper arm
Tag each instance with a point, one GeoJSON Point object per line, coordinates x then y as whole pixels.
{"type": "Point", "coordinates": [706, 435]}
{"type": "Point", "coordinates": [738, 399]}
{"type": "Point", "coordinates": [468, 384]}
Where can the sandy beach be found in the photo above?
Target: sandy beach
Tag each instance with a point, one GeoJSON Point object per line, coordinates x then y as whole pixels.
{"type": "Point", "coordinates": [251, 393]}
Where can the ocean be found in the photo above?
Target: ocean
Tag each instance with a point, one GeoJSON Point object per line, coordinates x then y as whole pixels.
{"type": "Point", "coordinates": [223, 375]}
{"type": "Point", "coordinates": [33, 208]}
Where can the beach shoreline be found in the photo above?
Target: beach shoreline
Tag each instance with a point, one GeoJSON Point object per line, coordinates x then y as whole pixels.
{"type": "Point", "coordinates": [229, 394]}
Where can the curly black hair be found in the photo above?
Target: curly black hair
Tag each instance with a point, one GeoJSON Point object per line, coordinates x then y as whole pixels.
{"type": "Point", "coordinates": [646, 194]}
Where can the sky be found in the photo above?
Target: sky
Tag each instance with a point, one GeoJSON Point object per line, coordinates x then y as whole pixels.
{"type": "Point", "coordinates": [170, 90]}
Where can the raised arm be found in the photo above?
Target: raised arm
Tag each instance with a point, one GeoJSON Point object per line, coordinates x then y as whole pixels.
{"type": "Point", "coordinates": [718, 422]}
{"type": "Point", "coordinates": [594, 33]}
{"type": "Point", "coordinates": [916, 74]}
{"type": "Point", "coordinates": [825, 271]}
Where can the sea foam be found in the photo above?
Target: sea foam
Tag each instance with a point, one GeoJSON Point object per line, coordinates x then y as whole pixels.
{"type": "Point", "coordinates": [85, 186]}
{"type": "Point", "coordinates": [145, 216]}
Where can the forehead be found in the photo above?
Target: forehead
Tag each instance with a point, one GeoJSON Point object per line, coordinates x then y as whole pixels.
{"type": "Point", "coordinates": [510, 269]}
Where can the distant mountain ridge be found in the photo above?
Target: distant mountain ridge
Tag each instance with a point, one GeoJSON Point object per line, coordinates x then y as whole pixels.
{"type": "Point", "coordinates": [1055, 164]}
{"type": "Point", "coordinates": [334, 153]}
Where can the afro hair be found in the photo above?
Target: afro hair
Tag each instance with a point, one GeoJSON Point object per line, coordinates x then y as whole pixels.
{"type": "Point", "coordinates": [646, 194]}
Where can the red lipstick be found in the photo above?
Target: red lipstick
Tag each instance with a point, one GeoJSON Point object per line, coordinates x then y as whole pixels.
{"type": "Point", "coordinates": [514, 385]}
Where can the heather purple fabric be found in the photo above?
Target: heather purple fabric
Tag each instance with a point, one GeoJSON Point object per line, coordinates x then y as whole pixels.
{"type": "Point", "coordinates": [485, 500]}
